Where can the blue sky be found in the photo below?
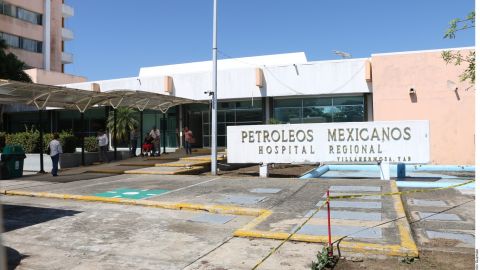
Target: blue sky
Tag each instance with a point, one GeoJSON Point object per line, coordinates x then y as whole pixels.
{"type": "Point", "coordinates": [113, 38]}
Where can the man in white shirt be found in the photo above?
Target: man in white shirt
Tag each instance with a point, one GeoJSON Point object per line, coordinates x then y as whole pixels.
{"type": "Point", "coordinates": [55, 151]}
{"type": "Point", "coordinates": [103, 146]}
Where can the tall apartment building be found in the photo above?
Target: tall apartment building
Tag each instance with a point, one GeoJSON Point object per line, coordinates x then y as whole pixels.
{"type": "Point", "coordinates": [35, 32]}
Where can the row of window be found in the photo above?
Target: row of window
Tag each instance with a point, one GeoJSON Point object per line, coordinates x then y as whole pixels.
{"type": "Point", "coordinates": [22, 43]}
{"type": "Point", "coordinates": [285, 110]}
{"type": "Point", "coordinates": [319, 110]}
{"type": "Point", "coordinates": [20, 13]}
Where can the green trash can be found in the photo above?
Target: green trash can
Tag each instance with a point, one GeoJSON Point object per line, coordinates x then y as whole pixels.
{"type": "Point", "coordinates": [12, 161]}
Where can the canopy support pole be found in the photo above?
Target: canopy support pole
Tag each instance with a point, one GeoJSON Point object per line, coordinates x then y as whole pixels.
{"type": "Point", "coordinates": [141, 132]}
{"type": "Point", "coordinates": [164, 131]}
{"type": "Point", "coordinates": [114, 133]}
{"type": "Point", "coordinates": [82, 136]}
{"type": "Point", "coordinates": [40, 127]}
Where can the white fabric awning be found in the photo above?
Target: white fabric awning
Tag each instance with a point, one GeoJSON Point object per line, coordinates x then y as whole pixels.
{"type": "Point", "coordinates": [42, 96]}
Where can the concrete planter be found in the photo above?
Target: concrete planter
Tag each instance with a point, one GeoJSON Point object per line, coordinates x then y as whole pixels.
{"type": "Point", "coordinates": [67, 160]}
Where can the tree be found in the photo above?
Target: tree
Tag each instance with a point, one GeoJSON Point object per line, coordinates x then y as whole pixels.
{"type": "Point", "coordinates": [126, 121]}
{"type": "Point", "coordinates": [457, 58]}
{"type": "Point", "coordinates": [11, 68]}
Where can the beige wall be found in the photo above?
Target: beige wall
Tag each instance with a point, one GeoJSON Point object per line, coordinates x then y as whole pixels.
{"type": "Point", "coordinates": [450, 112]}
{"type": "Point", "coordinates": [36, 5]}
{"type": "Point", "coordinates": [32, 59]}
{"type": "Point", "coordinates": [52, 78]}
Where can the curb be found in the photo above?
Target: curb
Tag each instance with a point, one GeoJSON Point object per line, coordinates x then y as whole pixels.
{"type": "Point", "coordinates": [106, 171]}
{"type": "Point", "coordinates": [219, 209]}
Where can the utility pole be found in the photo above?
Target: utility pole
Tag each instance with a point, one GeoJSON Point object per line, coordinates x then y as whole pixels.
{"type": "Point", "coordinates": [214, 93]}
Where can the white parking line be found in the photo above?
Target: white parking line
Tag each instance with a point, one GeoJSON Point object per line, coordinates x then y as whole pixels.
{"type": "Point", "coordinates": [178, 189]}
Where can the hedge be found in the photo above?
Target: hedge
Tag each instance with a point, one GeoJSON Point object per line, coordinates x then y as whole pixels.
{"type": "Point", "coordinates": [28, 139]}
{"type": "Point", "coordinates": [91, 144]}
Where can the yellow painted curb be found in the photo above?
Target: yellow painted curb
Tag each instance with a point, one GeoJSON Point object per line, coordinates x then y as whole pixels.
{"type": "Point", "coordinates": [369, 248]}
{"type": "Point", "coordinates": [195, 169]}
{"type": "Point", "coordinates": [138, 164]}
{"type": "Point", "coordinates": [406, 239]}
{"type": "Point", "coordinates": [200, 163]}
{"type": "Point", "coordinates": [220, 209]}
{"type": "Point", "coordinates": [106, 171]}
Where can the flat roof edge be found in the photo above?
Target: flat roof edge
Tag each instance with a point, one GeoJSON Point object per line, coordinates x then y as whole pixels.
{"type": "Point", "coordinates": [424, 51]}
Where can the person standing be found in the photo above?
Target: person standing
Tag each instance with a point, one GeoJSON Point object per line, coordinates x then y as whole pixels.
{"type": "Point", "coordinates": [155, 135]}
{"type": "Point", "coordinates": [133, 141]}
{"type": "Point", "coordinates": [55, 151]}
{"type": "Point", "coordinates": [103, 146]}
{"type": "Point", "coordinates": [188, 140]}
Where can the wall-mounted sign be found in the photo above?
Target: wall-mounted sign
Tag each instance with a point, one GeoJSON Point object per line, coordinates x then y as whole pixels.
{"type": "Point", "coordinates": [355, 142]}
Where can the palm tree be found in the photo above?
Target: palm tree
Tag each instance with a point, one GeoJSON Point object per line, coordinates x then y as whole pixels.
{"type": "Point", "coordinates": [126, 121]}
{"type": "Point", "coordinates": [11, 68]}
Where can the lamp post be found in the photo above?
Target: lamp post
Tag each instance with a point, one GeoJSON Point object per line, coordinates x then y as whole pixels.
{"type": "Point", "coordinates": [214, 93]}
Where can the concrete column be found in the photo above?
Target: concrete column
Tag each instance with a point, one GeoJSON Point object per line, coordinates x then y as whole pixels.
{"type": "Point", "coordinates": [180, 126]}
{"type": "Point", "coordinates": [46, 35]}
{"type": "Point", "coordinates": [263, 170]}
{"type": "Point", "coordinates": [82, 135]}
{"type": "Point", "coordinates": [114, 134]}
{"type": "Point", "coordinates": [40, 128]}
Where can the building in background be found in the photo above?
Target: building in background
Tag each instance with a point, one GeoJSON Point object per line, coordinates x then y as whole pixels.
{"type": "Point", "coordinates": [35, 32]}
{"type": "Point", "coordinates": [287, 88]}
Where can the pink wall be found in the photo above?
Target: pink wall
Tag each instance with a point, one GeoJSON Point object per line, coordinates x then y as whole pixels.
{"type": "Point", "coordinates": [450, 112]}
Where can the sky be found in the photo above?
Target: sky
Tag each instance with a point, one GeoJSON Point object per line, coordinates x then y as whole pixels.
{"type": "Point", "coordinates": [115, 38]}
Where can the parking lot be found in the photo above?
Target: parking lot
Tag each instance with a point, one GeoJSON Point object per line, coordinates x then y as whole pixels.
{"type": "Point", "coordinates": [206, 222]}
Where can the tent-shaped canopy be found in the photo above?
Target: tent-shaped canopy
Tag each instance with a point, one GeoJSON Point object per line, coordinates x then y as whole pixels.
{"type": "Point", "coordinates": [42, 96]}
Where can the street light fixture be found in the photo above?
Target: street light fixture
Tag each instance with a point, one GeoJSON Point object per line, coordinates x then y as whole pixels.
{"type": "Point", "coordinates": [342, 54]}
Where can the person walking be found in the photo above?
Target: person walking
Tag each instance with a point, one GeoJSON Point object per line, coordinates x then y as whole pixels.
{"type": "Point", "coordinates": [103, 146]}
{"type": "Point", "coordinates": [55, 150]}
{"type": "Point", "coordinates": [155, 135]}
{"type": "Point", "coordinates": [133, 142]}
{"type": "Point", "coordinates": [188, 140]}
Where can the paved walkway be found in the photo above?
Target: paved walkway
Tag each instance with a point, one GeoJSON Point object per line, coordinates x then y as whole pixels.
{"type": "Point", "coordinates": [282, 204]}
{"type": "Point", "coordinates": [452, 230]}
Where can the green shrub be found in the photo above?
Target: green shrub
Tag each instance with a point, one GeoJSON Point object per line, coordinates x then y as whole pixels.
{"type": "Point", "coordinates": [91, 144]}
{"type": "Point", "coordinates": [47, 137]}
{"type": "Point", "coordinates": [27, 139]}
{"type": "Point", "coordinates": [68, 141]}
{"type": "Point", "coordinates": [273, 121]}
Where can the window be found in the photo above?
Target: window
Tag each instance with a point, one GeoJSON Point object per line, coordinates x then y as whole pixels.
{"type": "Point", "coordinates": [8, 9]}
{"type": "Point", "coordinates": [22, 43]}
{"type": "Point", "coordinates": [11, 40]}
{"type": "Point", "coordinates": [29, 16]}
{"type": "Point", "coordinates": [320, 109]}
{"type": "Point", "coordinates": [231, 113]}
{"type": "Point", "coordinates": [20, 13]}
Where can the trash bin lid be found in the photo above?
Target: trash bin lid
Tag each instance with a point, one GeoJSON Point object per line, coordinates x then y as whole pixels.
{"type": "Point", "coordinates": [13, 150]}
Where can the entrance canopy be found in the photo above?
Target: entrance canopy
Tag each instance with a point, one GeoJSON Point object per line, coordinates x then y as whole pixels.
{"type": "Point", "coordinates": [42, 96]}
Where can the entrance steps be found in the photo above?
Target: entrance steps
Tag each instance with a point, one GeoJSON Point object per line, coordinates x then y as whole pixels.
{"type": "Point", "coordinates": [186, 165]}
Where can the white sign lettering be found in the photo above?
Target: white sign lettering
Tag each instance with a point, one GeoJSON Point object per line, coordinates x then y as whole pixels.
{"type": "Point", "coordinates": [356, 142]}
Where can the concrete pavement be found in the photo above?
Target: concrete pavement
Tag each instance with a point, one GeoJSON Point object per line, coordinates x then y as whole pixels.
{"type": "Point", "coordinates": [272, 208]}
